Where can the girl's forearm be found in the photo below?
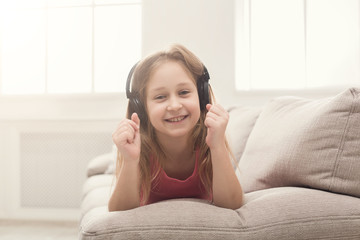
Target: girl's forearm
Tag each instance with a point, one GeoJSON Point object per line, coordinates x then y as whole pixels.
{"type": "Point", "coordinates": [227, 191]}
{"type": "Point", "coordinates": [126, 193]}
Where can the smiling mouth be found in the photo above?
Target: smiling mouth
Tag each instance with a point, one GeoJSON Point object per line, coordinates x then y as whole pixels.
{"type": "Point", "coordinates": [176, 119]}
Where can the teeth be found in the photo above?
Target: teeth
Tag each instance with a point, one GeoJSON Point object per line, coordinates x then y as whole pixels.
{"type": "Point", "coordinates": [177, 119]}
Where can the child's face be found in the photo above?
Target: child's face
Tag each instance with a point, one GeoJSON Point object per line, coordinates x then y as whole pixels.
{"type": "Point", "coordinates": [172, 101]}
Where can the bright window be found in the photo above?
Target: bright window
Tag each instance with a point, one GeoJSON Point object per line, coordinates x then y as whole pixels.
{"type": "Point", "coordinates": [72, 46]}
{"type": "Point", "coordinates": [297, 44]}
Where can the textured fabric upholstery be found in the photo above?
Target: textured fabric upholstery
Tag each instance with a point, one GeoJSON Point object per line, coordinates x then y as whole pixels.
{"type": "Point", "coordinates": [302, 142]}
{"type": "Point", "coordinates": [299, 164]}
{"type": "Point", "coordinates": [240, 125]}
{"type": "Point", "coordinates": [278, 213]}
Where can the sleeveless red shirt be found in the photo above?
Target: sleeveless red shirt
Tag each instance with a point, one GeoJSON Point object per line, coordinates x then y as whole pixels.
{"type": "Point", "coordinates": [165, 187]}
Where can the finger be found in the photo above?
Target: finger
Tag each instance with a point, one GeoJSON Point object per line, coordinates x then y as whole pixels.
{"type": "Point", "coordinates": [126, 126]}
{"type": "Point", "coordinates": [218, 109]}
{"type": "Point", "coordinates": [130, 137]}
{"type": "Point", "coordinates": [123, 138]}
{"type": "Point", "coordinates": [210, 122]}
{"type": "Point", "coordinates": [136, 119]}
{"type": "Point", "coordinates": [208, 106]}
{"type": "Point", "coordinates": [133, 125]}
{"type": "Point", "coordinates": [128, 134]}
{"type": "Point", "coordinates": [137, 138]}
{"type": "Point", "coordinates": [126, 123]}
{"type": "Point", "coordinates": [211, 115]}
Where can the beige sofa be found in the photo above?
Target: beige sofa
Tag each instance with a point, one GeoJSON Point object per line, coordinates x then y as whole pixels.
{"type": "Point", "coordinates": [299, 163]}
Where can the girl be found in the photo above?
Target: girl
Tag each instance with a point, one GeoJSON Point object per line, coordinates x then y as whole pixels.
{"type": "Point", "coordinates": [170, 146]}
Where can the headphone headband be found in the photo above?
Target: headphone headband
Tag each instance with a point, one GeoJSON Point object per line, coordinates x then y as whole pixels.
{"type": "Point", "coordinates": [128, 93]}
{"type": "Point", "coordinates": [206, 75]}
{"type": "Point", "coordinates": [205, 78]}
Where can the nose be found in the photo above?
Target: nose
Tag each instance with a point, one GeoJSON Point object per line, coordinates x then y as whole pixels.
{"type": "Point", "coordinates": [174, 104]}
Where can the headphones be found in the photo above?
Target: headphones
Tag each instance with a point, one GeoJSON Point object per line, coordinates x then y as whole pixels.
{"type": "Point", "coordinates": [135, 104]}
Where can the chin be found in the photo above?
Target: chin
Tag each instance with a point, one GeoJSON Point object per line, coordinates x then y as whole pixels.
{"type": "Point", "coordinates": [173, 135]}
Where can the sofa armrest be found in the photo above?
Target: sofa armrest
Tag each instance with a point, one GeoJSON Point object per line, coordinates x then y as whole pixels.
{"type": "Point", "coordinates": [101, 164]}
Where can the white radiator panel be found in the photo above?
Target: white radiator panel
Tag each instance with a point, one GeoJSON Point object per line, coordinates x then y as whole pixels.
{"type": "Point", "coordinates": [53, 166]}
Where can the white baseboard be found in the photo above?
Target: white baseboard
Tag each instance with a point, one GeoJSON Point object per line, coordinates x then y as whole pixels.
{"type": "Point", "coordinates": [40, 214]}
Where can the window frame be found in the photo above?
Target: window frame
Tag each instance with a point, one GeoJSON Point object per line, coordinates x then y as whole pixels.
{"type": "Point", "coordinates": [75, 96]}
{"type": "Point", "coordinates": [242, 66]}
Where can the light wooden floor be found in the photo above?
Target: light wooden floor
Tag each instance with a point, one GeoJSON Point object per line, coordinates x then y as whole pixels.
{"type": "Point", "coordinates": [38, 230]}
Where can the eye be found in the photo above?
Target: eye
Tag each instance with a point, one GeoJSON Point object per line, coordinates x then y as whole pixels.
{"type": "Point", "coordinates": [159, 97]}
{"type": "Point", "coordinates": [184, 92]}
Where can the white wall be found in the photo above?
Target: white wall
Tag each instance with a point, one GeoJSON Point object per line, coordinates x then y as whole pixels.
{"type": "Point", "coordinates": [206, 27]}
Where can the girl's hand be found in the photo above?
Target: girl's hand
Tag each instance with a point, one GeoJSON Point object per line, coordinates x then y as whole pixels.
{"type": "Point", "coordinates": [216, 121]}
{"type": "Point", "coordinates": [127, 138]}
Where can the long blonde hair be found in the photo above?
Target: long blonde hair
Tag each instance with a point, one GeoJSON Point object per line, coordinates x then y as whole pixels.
{"type": "Point", "coordinates": [150, 147]}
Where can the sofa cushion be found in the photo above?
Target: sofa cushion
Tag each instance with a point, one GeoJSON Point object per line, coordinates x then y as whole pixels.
{"type": "Point", "coordinates": [300, 213]}
{"type": "Point", "coordinates": [241, 123]}
{"type": "Point", "coordinates": [279, 213]}
{"type": "Point", "coordinates": [303, 142]}
{"type": "Point", "coordinates": [98, 197]}
{"type": "Point", "coordinates": [103, 163]}
{"type": "Point", "coordinates": [96, 181]}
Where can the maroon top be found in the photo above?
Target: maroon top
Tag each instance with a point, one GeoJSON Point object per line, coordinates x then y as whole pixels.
{"type": "Point", "coordinates": [165, 187]}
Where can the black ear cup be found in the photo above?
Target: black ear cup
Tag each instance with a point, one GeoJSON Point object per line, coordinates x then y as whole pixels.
{"type": "Point", "coordinates": [203, 89]}
{"type": "Point", "coordinates": [135, 105]}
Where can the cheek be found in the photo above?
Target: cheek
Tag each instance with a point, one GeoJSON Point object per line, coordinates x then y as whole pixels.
{"type": "Point", "coordinates": [197, 114]}
{"type": "Point", "coordinates": [194, 107]}
{"type": "Point", "coordinates": [154, 113]}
